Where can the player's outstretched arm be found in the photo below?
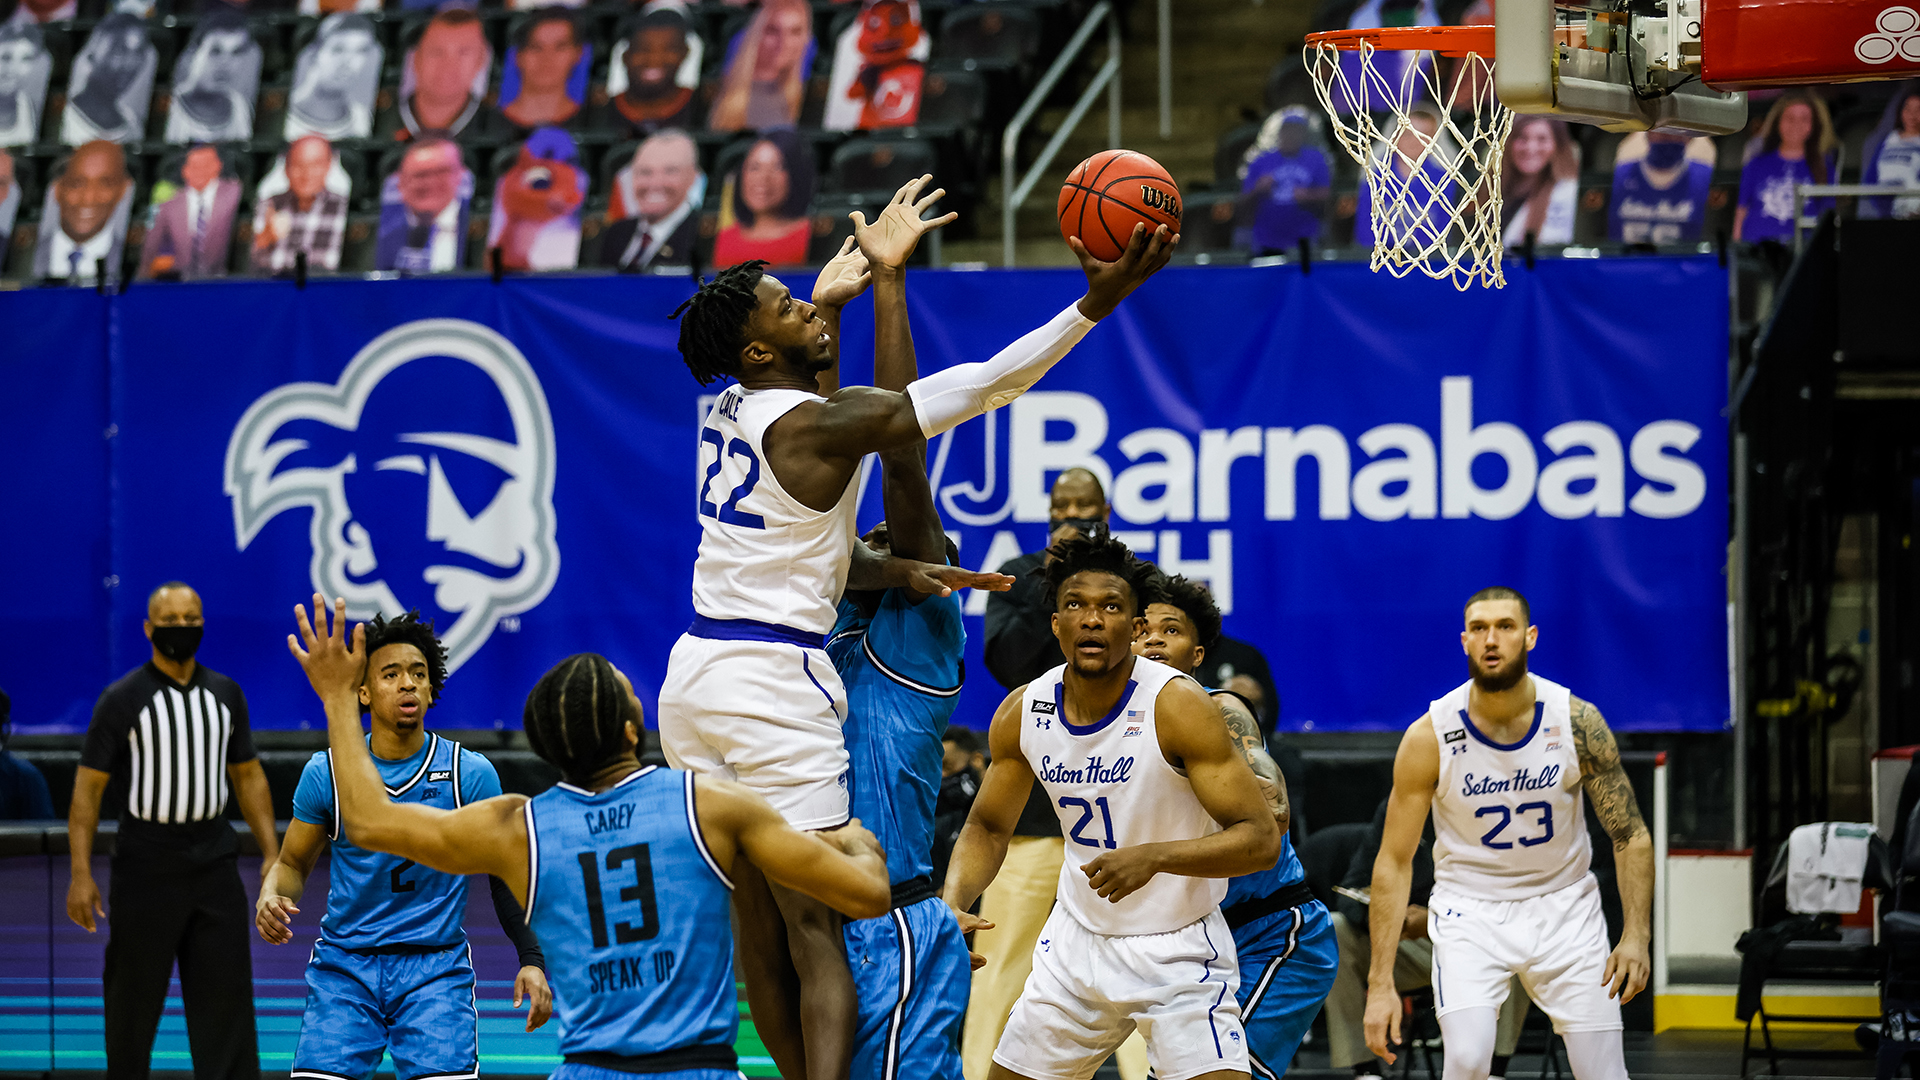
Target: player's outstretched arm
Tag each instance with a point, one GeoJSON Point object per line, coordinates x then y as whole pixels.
{"type": "Point", "coordinates": [488, 837]}
{"type": "Point", "coordinates": [982, 844]}
{"type": "Point", "coordinates": [863, 420]}
{"type": "Point", "coordinates": [888, 243]}
{"type": "Point", "coordinates": [1193, 736]}
{"type": "Point", "coordinates": [1416, 772]}
{"type": "Point", "coordinates": [844, 868]}
{"type": "Point", "coordinates": [872, 570]}
{"type": "Point", "coordinates": [1607, 787]}
{"type": "Point", "coordinates": [286, 880]}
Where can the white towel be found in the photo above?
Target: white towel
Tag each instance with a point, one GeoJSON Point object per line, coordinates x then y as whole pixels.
{"type": "Point", "coordinates": [1825, 862]}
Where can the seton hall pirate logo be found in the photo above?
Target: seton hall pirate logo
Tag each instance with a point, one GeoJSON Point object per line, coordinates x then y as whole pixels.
{"type": "Point", "coordinates": [429, 469]}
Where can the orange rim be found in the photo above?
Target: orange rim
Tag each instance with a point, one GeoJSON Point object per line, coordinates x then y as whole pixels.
{"type": "Point", "coordinates": [1445, 40]}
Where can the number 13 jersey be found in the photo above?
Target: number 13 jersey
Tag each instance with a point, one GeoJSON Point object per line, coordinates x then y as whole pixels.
{"type": "Point", "coordinates": [1113, 788]}
{"type": "Point", "coordinates": [764, 555]}
{"type": "Point", "coordinates": [632, 912]}
{"type": "Point", "coordinates": [1508, 818]}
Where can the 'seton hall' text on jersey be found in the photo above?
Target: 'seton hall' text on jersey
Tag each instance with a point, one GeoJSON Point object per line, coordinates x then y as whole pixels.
{"type": "Point", "coordinates": [1521, 780]}
{"type": "Point", "coordinates": [1093, 771]}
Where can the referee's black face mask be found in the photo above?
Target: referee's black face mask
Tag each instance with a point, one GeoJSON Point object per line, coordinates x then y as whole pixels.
{"type": "Point", "coordinates": [177, 643]}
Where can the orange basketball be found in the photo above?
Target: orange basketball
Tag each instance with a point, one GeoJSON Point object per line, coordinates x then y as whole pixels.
{"type": "Point", "coordinates": [1105, 195]}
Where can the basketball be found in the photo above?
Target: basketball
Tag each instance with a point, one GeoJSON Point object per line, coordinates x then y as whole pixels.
{"type": "Point", "coordinates": [1108, 193]}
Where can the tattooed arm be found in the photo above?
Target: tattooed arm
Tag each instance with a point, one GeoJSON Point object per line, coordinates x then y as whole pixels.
{"type": "Point", "coordinates": [1246, 737]}
{"type": "Point", "coordinates": [1613, 802]}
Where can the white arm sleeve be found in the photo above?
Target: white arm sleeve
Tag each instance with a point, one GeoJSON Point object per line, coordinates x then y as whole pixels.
{"type": "Point", "coordinates": [945, 399]}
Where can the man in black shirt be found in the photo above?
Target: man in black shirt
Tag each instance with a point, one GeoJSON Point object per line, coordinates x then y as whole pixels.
{"type": "Point", "coordinates": [1020, 647]}
{"type": "Point", "coordinates": [179, 731]}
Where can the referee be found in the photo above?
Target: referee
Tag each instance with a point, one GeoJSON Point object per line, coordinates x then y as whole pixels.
{"type": "Point", "coordinates": [178, 731]}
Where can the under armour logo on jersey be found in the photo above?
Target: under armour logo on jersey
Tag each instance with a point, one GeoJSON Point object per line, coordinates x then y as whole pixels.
{"type": "Point", "coordinates": [1460, 749]}
{"type": "Point", "coordinates": [1046, 945]}
{"type": "Point", "coordinates": [1234, 1035]}
{"type": "Point", "coordinates": [1042, 722]}
{"type": "Point", "coordinates": [430, 793]}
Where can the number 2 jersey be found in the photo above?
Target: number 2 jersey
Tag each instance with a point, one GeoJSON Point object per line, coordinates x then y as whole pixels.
{"type": "Point", "coordinates": [1508, 818]}
{"type": "Point", "coordinates": [764, 555]}
{"type": "Point", "coordinates": [1113, 788]}
{"type": "Point", "coordinates": [632, 912]}
{"type": "Point", "coordinates": [378, 899]}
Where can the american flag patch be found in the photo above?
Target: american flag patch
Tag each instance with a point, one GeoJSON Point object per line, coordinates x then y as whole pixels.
{"type": "Point", "coordinates": [1553, 732]}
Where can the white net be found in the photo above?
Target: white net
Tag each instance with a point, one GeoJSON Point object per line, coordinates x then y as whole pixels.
{"type": "Point", "coordinates": [1427, 133]}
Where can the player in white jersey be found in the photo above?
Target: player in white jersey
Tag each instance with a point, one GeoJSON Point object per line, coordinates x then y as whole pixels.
{"type": "Point", "coordinates": [1159, 809]}
{"type": "Point", "coordinates": [1503, 761]}
{"type": "Point", "coordinates": [749, 693]}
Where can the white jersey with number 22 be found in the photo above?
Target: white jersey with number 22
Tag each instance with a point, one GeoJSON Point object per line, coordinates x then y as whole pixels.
{"type": "Point", "coordinates": [764, 555]}
{"type": "Point", "coordinates": [1508, 818]}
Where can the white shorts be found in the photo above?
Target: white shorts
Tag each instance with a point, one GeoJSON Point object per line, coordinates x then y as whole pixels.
{"type": "Point", "coordinates": [764, 713]}
{"type": "Point", "coordinates": [1555, 944]}
{"type": "Point", "coordinates": [1088, 992]}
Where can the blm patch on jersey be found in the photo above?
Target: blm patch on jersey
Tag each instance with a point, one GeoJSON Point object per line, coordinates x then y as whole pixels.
{"type": "Point", "coordinates": [433, 776]}
{"type": "Point", "coordinates": [1457, 735]}
{"type": "Point", "coordinates": [1043, 707]}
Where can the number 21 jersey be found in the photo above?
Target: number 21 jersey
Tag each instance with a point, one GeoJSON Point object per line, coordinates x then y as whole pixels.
{"type": "Point", "coordinates": [1508, 818]}
{"type": "Point", "coordinates": [632, 912]}
{"type": "Point", "coordinates": [764, 555]}
{"type": "Point", "coordinates": [1114, 788]}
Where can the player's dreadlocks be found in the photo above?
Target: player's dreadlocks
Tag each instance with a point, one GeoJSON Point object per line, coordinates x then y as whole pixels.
{"type": "Point", "coordinates": [715, 329]}
{"type": "Point", "coordinates": [577, 714]}
{"type": "Point", "coordinates": [1106, 555]}
{"type": "Point", "coordinates": [411, 629]}
{"type": "Point", "coordinates": [1195, 602]}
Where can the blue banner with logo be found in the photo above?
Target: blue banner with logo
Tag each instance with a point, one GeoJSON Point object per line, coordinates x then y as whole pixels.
{"type": "Point", "coordinates": [1345, 457]}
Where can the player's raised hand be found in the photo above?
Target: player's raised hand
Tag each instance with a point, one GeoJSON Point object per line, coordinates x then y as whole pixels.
{"type": "Point", "coordinates": [1118, 874]}
{"type": "Point", "coordinates": [1383, 1021]}
{"type": "Point", "coordinates": [1627, 968]}
{"type": "Point", "coordinates": [843, 278]}
{"type": "Point", "coordinates": [531, 984]}
{"type": "Point", "coordinates": [897, 229]}
{"type": "Point", "coordinates": [333, 661]}
{"type": "Point", "coordinates": [273, 916]}
{"type": "Point", "coordinates": [942, 580]}
{"type": "Point", "coordinates": [1108, 283]}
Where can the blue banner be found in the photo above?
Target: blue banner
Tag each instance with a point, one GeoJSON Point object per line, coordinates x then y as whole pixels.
{"type": "Point", "coordinates": [1344, 456]}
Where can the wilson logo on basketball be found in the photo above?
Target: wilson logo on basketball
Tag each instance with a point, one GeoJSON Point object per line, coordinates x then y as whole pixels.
{"type": "Point", "coordinates": [1156, 199]}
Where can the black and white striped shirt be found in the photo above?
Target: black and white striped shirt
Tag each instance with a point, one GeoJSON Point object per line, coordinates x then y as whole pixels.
{"type": "Point", "coordinates": [175, 742]}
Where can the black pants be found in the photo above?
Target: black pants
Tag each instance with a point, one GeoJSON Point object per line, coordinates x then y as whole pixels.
{"type": "Point", "coordinates": [201, 917]}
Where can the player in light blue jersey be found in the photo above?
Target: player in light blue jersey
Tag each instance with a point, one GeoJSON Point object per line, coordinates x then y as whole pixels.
{"type": "Point", "coordinates": [1285, 937]}
{"type": "Point", "coordinates": [624, 871]}
{"type": "Point", "coordinates": [392, 971]}
{"type": "Point", "coordinates": [898, 653]}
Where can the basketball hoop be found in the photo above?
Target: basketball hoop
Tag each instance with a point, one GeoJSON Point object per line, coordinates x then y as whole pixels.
{"type": "Point", "coordinates": [1428, 142]}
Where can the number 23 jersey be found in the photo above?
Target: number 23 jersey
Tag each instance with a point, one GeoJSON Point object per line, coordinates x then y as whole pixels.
{"type": "Point", "coordinates": [764, 555]}
{"type": "Point", "coordinates": [1508, 818]}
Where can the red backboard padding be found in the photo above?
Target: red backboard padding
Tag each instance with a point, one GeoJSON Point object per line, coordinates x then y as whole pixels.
{"type": "Point", "coordinates": [1749, 44]}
